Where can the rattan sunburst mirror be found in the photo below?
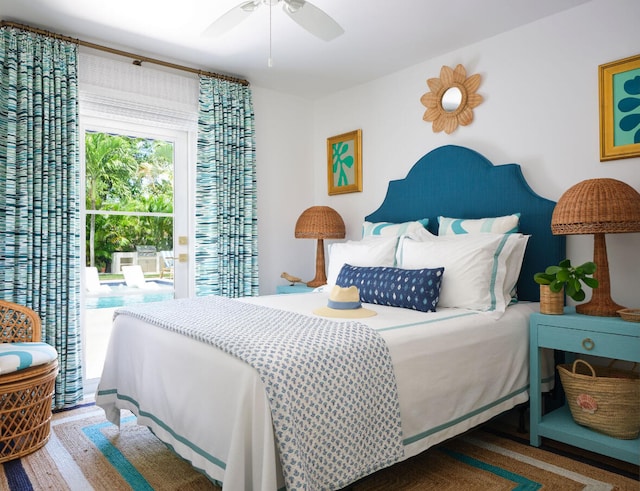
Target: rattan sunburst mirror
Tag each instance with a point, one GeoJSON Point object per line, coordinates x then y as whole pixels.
{"type": "Point", "coordinates": [452, 99]}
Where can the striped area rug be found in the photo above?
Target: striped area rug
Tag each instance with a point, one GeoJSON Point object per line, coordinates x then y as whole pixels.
{"type": "Point", "coordinates": [86, 452]}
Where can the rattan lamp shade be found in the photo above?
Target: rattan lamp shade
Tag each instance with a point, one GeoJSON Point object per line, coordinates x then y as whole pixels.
{"type": "Point", "coordinates": [598, 206]}
{"type": "Point", "coordinates": [320, 222]}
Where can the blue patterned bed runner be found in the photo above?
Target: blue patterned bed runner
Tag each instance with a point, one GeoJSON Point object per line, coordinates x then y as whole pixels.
{"type": "Point", "coordinates": [330, 385]}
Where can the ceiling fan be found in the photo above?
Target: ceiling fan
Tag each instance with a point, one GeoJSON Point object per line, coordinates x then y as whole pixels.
{"type": "Point", "coordinates": [307, 15]}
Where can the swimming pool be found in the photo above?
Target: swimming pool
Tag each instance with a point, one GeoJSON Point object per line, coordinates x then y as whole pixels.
{"type": "Point", "coordinates": [125, 300]}
{"type": "Point", "coordinates": [121, 296]}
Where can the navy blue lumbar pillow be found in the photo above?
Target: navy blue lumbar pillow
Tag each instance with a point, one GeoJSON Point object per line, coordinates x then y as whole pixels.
{"type": "Point", "coordinates": [417, 289]}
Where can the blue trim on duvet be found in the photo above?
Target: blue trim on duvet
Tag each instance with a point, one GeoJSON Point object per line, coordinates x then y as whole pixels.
{"type": "Point", "coordinates": [494, 272]}
{"type": "Point", "coordinates": [425, 434]}
{"type": "Point", "coordinates": [214, 460]}
{"type": "Point", "coordinates": [222, 465]}
{"type": "Point", "coordinates": [431, 321]}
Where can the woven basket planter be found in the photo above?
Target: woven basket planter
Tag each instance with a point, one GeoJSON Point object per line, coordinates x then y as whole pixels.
{"type": "Point", "coordinates": [604, 399]}
{"type": "Point", "coordinates": [25, 410]}
{"type": "Point", "coordinates": [551, 302]}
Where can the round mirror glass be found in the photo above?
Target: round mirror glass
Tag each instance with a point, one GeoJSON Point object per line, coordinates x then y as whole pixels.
{"type": "Point", "coordinates": [451, 99]}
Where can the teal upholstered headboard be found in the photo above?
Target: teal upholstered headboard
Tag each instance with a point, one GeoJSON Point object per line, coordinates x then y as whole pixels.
{"type": "Point", "coordinates": [458, 182]}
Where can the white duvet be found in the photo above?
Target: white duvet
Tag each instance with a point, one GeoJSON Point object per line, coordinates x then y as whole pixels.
{"type": "Point", "coordinates": [454, 368]}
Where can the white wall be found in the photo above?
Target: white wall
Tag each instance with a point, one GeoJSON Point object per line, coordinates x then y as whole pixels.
{"type": "Point", "coordinates": [285, 184]}
{"type": "Point", "coordinates": [540, 109]}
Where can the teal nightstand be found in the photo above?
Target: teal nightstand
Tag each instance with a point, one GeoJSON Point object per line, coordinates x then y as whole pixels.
{"type": "Point", "coordinates": [301, 288]}
{"type": "Point", "coordinates": [609, 337]}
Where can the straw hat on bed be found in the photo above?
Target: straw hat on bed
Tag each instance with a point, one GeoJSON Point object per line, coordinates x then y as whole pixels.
{"type": "Point", "coordinates": [344, 302]}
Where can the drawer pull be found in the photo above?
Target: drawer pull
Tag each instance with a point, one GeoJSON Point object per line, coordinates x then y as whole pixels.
{"type": "Point", "coordinates": [588, 344]}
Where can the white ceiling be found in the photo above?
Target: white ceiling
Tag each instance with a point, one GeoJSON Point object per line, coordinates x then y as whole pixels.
{"type": "Point", "coordinates": [381, 36]}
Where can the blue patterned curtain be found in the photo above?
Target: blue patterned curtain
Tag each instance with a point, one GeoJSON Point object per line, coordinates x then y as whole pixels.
{"type": "Point", "coordinates": [39, 198]}
{"type": "Point", "coordinates": [226, 200]}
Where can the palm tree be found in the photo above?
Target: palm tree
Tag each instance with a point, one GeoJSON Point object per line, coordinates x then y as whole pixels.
{"type": "Point", "coordinates": [109, 167]}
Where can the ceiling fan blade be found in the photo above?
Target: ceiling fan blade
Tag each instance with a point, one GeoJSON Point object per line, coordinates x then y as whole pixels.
{"type": "Point", "coordinates": [312, 19]}
{"type": "Point", "coordinates": [232, 18]}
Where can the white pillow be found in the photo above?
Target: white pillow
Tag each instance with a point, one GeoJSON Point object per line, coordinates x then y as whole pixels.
{"type": "Point", "coordinates": [371, 251]}
{"type": "Point", "coordinates": [415, 229]}
{"type": "Point", "coordinates": [514, 265]}
{"type": "Point", "coordinates": [495, 225]}
{"type": "Point", "coordinates": [479, 272]}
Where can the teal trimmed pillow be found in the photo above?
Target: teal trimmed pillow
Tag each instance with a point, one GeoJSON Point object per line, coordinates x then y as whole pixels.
{"type": "Point", "coordinates": [416, 289]}
{"type": "Point", "coordinates": [387, 229]}
{"type": "Point", "coordinates": [481, 269]}
{"type": "Point", "coordinates": [508, 224]}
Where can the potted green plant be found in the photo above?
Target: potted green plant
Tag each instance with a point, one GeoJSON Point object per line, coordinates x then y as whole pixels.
{"type": "Point", "coordinates": [565, 277]}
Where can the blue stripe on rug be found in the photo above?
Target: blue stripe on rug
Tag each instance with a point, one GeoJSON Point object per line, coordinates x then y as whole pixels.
{"type": "Point", "coordinates": [16, 476]}
{"type": "Point", "coordinates": [115, 457]}
{"type": "Point", "coordinates": [523, 484]}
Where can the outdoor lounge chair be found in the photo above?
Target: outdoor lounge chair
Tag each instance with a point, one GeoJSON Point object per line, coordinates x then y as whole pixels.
{"type": "Point", "coordinates": [167, 263]}
{"type": "Point", "coordinates": [92, 281]}
{"type": "Point", "coordinates": [134, 278]}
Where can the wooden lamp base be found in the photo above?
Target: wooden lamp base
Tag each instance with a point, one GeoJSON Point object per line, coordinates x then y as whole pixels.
{"type": "Point", "coordinates": [601, 303]}
{"type": "Point", "coordinates": [321, 277]}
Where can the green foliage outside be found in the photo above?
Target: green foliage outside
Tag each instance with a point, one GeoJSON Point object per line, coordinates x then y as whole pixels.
{"type": "Point", "coordinates": [126, 174]}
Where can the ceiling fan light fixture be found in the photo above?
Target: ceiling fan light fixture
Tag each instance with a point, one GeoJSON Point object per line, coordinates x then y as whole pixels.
{"type": "Point", "coordinates": [250, 6]}
{"type": "Point", "coordinates": [293, 5]}
{"type": "Point", "coordinates": [303, 13]}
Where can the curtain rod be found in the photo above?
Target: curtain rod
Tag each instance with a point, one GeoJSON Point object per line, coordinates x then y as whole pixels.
{"type": "Point", "coordinates": [138, 59]}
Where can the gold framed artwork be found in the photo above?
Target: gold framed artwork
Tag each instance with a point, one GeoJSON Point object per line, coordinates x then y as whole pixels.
{"type": "Point", "coordinates": [619, 83]}
{"type": "Point", "coordinates": [344, 163]}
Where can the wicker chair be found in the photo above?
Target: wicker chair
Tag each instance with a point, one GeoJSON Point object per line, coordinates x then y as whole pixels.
{"type": "Point", "coordinates": [26, 394]}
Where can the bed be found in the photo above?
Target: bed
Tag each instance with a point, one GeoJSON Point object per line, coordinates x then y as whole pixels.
{"type": "Point", "coordinates": [438, 374]}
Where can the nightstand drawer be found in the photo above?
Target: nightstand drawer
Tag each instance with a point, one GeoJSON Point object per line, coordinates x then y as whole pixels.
{"type": "Point", "coordinates": [592, 343]}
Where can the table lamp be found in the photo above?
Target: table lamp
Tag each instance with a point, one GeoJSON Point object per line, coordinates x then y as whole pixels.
{"type": "Point", "coordinates": [319, 222]}
{"type": "Point", "coordinates": [598, 206]}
